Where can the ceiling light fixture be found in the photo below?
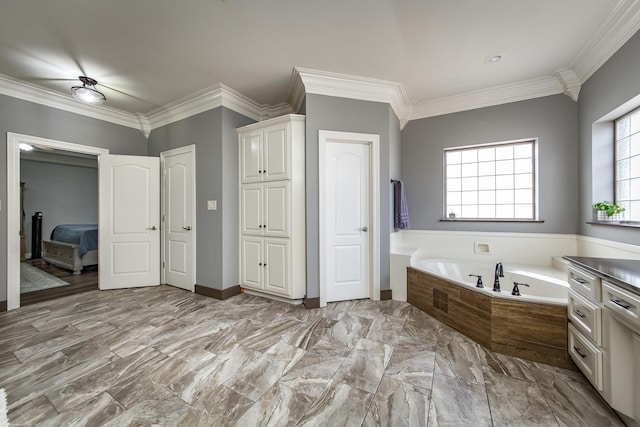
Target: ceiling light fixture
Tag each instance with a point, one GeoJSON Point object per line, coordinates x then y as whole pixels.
{"type": "Point", "coordinates": [493, 59]}
{"type": "Point", "coordinates": [87, 92]}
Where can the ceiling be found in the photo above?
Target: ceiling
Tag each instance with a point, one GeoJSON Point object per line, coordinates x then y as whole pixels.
{"type": "Point", "coordinates": [147, 54]}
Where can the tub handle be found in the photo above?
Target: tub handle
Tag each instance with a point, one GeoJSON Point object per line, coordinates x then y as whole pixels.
{"type": "Point", "coordinates": [479, 282]}
{"type": "Point", "coordinates": [516, 290]}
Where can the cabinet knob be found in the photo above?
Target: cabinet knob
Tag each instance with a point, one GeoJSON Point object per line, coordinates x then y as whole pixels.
{"type": "Point", "coordinates": [260, 264]}
{"type": "Point", "coordinates": [264, 171]}
{"type": "Point", "coordinates": [264, 265]}
{"type": "Point", "coordinates": [260, 226]}
{"type": "Point", "coordinates": [259, 171]}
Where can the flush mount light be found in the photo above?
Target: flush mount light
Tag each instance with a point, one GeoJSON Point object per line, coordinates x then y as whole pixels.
{"type": "Point", "coordinates": [493, 59]}
{"type": "Point", "coordinates": [87, 92]}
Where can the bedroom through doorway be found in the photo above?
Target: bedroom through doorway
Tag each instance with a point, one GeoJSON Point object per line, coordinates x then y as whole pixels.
{"type": "Point", "coordinates": [58, 220]}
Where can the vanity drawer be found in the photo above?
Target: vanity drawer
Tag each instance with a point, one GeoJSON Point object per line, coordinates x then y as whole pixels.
{"type": "Point", "coordinates": [587, 356]}
{"type": "Point", "coordinates": [622, 303]}
{"type": "Point", "coordinates": [586, 284]}
{"type": "Point", "coordinates": [585, 316]}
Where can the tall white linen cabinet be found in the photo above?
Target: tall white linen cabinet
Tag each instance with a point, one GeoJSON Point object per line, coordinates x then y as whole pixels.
{"type": "Point", "coordinates": [272, 207]}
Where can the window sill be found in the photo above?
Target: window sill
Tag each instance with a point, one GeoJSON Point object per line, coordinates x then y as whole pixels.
{"type": "Point", "coordinates": [491, 220]}
{"type": "Point", "coordinates": [628, 224]}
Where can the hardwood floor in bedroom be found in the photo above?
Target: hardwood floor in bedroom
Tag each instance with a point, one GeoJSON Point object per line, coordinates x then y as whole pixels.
{"type": "Point", "coordinates": [87, 281]}
{"type": "Point", "coordinates": [164, 356]}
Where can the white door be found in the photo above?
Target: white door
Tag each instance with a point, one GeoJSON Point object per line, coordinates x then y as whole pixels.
{"type": "Point", "coordinates": [277, 209]}
{"type": "Point", "coordinates": [276, 154]}
{"type": "Point", "coordinates": [252, 268]}
{"type": "Point", "coordinates": [178, 213]}
{"type": "Point", "coordinates": [277, 277]}
{"type": "Point", "coordinates": [129, 223]}
{"type": "Point", "coordinates": [251, 157]}
{"type": "Point", "coordinates": [251, 200]}
{"type": "Point", "coordinates": [346, 212]}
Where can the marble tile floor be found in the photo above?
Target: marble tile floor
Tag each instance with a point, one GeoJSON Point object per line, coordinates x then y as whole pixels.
{"type": "Point", "coordinates": [163, 356]}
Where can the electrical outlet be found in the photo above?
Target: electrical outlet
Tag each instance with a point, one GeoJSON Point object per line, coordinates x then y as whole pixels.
{"type": "Point", "coordinates": [212, 205]}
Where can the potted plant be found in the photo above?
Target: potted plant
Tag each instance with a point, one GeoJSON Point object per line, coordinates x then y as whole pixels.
{"type": "Point", "coordinates": [607, 211]}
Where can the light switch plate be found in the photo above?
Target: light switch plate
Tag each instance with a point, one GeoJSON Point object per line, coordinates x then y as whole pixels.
{"type": "Point", "coordinates": [212, 205]}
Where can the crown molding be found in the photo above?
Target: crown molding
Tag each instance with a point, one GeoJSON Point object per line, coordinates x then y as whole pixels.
{"type": "Point", "coordinates": [27, 92]}
{"type": "Point", "coordinates": [213, 97]}
{"type": "Point", "coordinates": [621, 24]}
{"type": "Point", "coordinates": [354, 87]}
{"type": "Point", "coordinates": [520, 91]}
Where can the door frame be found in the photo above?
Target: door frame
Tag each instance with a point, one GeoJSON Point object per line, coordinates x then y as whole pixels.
{"type": "Point", "coordinates": [191, 150]}
{"type": "Point", "coordinates": [373, 140]}
{"type": "Point", "coordinates": [13, 200]}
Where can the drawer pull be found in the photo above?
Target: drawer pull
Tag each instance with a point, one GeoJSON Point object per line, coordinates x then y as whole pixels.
{"type": "Point", "coordinates": [621, 304]}
{"type": "Point", "coordinates": [579, 280]}
{"type": "Point", "coordinates": [579, 352]}
{"type": "Point", "coordinates": [577, 312]}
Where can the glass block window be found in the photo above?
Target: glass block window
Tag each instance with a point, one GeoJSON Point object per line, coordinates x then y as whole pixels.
{"type": "Point", "coordinates": [627, 165]}
{"type": "Point", "coordinates": [491, 181]}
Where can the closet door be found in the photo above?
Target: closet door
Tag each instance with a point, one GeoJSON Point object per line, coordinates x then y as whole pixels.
{"type": "Point", "coordinates": [251, 157]}
{"type": "Point", "coordinates": [278, 276]}
{"type": "Point", "coordinates": [252, 213]}
{"type": "Point", "coordinates": [277, 153]}
{"type": "Point", "coordinates": [252, 268]}
{"type": "Point", "coordinates": [277, 209]}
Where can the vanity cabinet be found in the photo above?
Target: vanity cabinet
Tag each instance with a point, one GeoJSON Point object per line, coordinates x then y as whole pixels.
{"type": "Point", "coordinates": [272, 207]}
{"type": "Point", "coordinates": [604, 329]}
{"type": "Point", "coordinates": [585, 327]}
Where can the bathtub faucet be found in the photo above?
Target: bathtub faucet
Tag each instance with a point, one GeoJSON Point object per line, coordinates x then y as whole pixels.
{"type": "Point", "coordinates": [516, 290]}
{"type": "Point", "coordinates": [496, 279]}
{"type": "Point", "coordinates": [479, 282]}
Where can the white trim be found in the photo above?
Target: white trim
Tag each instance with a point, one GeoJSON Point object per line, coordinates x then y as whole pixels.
{"type": "Point", "coordinates": [13, 199]}
{"type": "Point", "coordinates": [353, 87]}
{"type": "Point", "coordinates": [38, 95]}
{"type": "Point", "coordinates": [621, 24]}
{"type": "Point", "coordinates": [373, 140]}
{"type": "Point", "coordinates": [520, 91]}
{"type": "Point", "coordinates": [191, 150]}
{"type": "Point", "coordinates": [210, 98]}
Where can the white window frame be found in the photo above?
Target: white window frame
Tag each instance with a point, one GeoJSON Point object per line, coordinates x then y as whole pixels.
{"type": "Point", "coordinates": [630, 201]}
{"type": "Point", "coordinates": [534, 182]}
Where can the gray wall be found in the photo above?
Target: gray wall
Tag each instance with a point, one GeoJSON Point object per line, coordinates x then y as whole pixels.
{"type": "Point", "coordinates": [65, 194]}
{"type": "Point", "coordinates": [346, 115]}
{"type": "Point", "coordinates": [28, 118]}
{"type": "Point", "coordinates": [395, 158]}
{"type": "Point", "coordinates": [615, 83]}
{"type": "Point", "coordinates": [552, 119]}
{"type": "Point", "coordinates": [213, 134]}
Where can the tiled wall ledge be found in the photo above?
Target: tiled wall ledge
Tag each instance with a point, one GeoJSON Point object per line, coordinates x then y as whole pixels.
{"type": "Point", "coordinates": [531, 331]}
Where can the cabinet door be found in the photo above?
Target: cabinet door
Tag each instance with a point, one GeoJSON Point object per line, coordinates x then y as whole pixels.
{"type": "Point", "coordinates": [277, 153]}
{"type": "Point", "coordinates": [252, 266]}
{"type": "Point", "coordinates": [252, 214]}
{"type": "Point", "coordinates": [278, 275]}
{"type": "Point", "coordinates": [251, 157]}
{"type": "Point", "coordinates": [277, 209]}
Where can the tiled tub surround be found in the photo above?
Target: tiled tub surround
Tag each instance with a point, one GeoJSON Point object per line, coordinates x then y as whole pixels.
{"type": "Point", "coordinates": [528, 330]}
{"type": "Point", "coordinates": [169, 357]}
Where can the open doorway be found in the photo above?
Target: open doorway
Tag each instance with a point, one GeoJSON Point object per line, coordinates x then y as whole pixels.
{"type": "Point", "coordinates": [16, 246]}
{"type": "Point", "coordinates": [59, 223]}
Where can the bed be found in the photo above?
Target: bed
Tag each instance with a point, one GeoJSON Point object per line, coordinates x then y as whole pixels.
{"type": "Point", "coordinates": [72, 246]}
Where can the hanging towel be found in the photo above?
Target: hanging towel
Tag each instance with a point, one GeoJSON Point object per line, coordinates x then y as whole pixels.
{"type": "Point", "coordinates": [400, 208]}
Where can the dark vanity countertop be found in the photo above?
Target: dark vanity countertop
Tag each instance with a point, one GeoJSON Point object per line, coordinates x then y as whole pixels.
{"type": "Point", "coordinates": [625, 272]}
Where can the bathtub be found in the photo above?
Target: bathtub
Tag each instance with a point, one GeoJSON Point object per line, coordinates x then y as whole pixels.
{"type": "Point", "coordinates": [547, 285]}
